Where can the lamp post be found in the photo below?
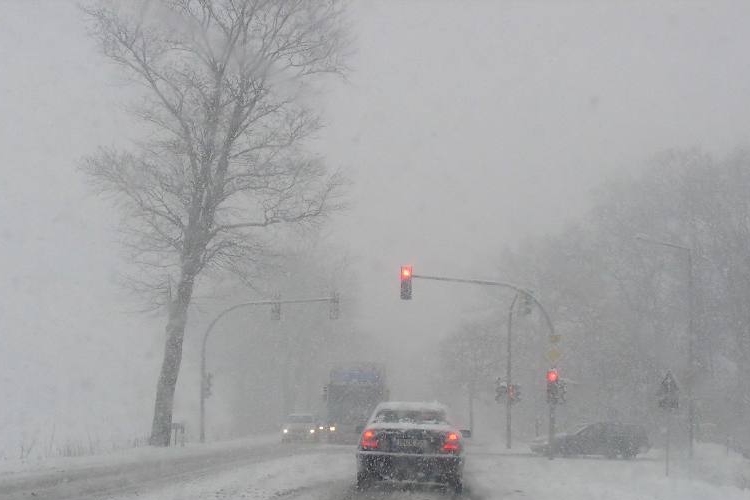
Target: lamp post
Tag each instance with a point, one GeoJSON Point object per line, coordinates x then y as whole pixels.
{"type": "Point", "coordinates": [691, 305]}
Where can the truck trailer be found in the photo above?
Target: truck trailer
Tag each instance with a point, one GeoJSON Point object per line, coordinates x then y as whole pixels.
{"type": "Point", "coordinates": [352, 392]}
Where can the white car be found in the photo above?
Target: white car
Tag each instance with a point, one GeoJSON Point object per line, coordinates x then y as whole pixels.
{"type": "Point", "coordinates": [300, 427]}
{"type": "Point", "coordinates": [411, 441]}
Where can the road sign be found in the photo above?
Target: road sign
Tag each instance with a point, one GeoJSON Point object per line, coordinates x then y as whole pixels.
{"type": "Point", "coordinates": [668, 400]}
{"type": "Point", "coordinates": [668, 393]}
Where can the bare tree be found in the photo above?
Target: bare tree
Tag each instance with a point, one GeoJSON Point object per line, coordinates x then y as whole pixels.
{"type": "Point", "coordinates": [469, 357]}
{"type": "Point", "coordinates": [225, 156]}
{"type": "Point", "coordinates": [621, 306]}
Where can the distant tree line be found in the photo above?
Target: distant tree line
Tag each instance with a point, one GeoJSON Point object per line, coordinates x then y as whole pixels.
{"type": "Point", "coordinates": [621, 304]}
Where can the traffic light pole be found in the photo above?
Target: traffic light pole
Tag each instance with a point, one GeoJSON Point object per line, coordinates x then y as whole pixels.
{"type": "Point", "coordinates": [553, 337]}
{"type": "Point", "coordinates": [333, 300]}
{"type": "Point", "coordinates": [551, 436]}
{"type": "Point", "coordinates": [508, 372]}
{"type": "Point", "coordinates": [691, 359]}
{"type": "Point", "coordinates": [666, 455]}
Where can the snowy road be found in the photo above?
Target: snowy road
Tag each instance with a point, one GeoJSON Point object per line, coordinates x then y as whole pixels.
{"type": "Point", "coordinates": [135, 474]}
{"type": "Point", "coordinates": [269, 470]}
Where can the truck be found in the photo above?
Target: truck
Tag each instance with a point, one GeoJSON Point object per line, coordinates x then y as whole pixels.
{"type": "Point", "coordinates": [351, 394]}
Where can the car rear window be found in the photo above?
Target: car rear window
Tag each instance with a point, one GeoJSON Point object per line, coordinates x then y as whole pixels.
{"type": "Point", "coordinates": [392, 416]}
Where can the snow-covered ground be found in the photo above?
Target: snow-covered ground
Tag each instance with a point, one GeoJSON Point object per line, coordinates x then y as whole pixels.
{"type": "Point", "coordinates": [264, 469]}
{"type": "Point", "coordinates": [36, 466]}
{"type": "Point", "coordinates": [713, 474]}
{"type": "Point", "coordinates": [315, 475]}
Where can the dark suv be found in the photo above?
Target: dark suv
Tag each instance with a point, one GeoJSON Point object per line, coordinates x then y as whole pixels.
{"type": "Point", "coordinates": [602, 438]}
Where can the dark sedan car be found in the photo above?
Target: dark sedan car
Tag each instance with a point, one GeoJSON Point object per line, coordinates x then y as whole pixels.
{"type": "Point", "coordinates": [602, 438]}
{"type": "Point", "coordinates": [411, 441]}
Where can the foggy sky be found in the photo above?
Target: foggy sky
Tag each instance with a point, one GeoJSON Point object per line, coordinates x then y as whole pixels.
{"type": "Point", "coordinates": [465, 127]}
{"type": "Point", "coordinates": [471, 125]}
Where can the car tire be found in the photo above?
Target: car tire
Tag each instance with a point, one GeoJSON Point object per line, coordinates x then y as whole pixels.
{"type": "Point", "coordinates": [364, 480]}
{"type": "Point", "coordinates": [456, 484]}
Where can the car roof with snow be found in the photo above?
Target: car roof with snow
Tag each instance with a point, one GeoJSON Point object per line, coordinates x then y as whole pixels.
{"type": "Point", "coordinates": [411, 406]}
{"type": "Point", "coordinates": [410, 415]}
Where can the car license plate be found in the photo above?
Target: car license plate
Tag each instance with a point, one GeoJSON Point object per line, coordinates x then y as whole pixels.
{"type": "Point", "coordinates": [410, 443]}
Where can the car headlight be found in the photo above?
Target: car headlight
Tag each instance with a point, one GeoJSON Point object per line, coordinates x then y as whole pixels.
{"type": "Point", "coordinates": [285, 431]}
{"type": "Point", "coordinates": [321, 428]}
{"type": "Point", "coordinates": [312, 431]}
{"type": "Point", "coordinates": [332, 428]}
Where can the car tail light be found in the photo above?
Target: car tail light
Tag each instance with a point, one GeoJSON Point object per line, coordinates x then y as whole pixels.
{"type": "Point", "coordinates": [451, 443]}
{"type": "Point", "coordinates": [369, 440]}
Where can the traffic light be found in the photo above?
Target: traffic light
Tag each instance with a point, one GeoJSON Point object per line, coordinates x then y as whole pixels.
{"type": "Point", "coordinates": [514, 393]}
{"type": "Point", "coordinates": [334, 309]}
{"type": "Point", "coordinates": [554, 392]}
{"type": "Point", "coordinates": [276, 311]}
{"type": "Point", "coordinates": [501, 390]}
{"type": "Point", "coordinates": [406, 275]}
{"type": "Point", "coordinates": [527, 304]}
{"type": "Point", "coordinates": [276, 308]}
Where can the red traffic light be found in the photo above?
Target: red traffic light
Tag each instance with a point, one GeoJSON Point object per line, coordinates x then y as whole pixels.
{"type": "Point", "coordinates": [406, 275]}
{"type": "Point", "coordinates": [552, 376]}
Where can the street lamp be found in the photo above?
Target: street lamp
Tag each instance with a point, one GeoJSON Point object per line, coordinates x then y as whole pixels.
{"type": "Point", "coordinates": [691, 305]}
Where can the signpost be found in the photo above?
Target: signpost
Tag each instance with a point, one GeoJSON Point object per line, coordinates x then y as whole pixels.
{"type": "Point", "coordinates": [668, 401]}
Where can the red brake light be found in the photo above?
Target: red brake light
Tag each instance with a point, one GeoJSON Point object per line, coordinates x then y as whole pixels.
{"type": "Point", "coordinates": [369, 440]}
{"type": "Point", "coordinates": [452, 443]}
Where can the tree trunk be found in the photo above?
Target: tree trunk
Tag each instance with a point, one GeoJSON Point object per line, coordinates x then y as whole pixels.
{"type": "Point", "coordinates": [170, 368]}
